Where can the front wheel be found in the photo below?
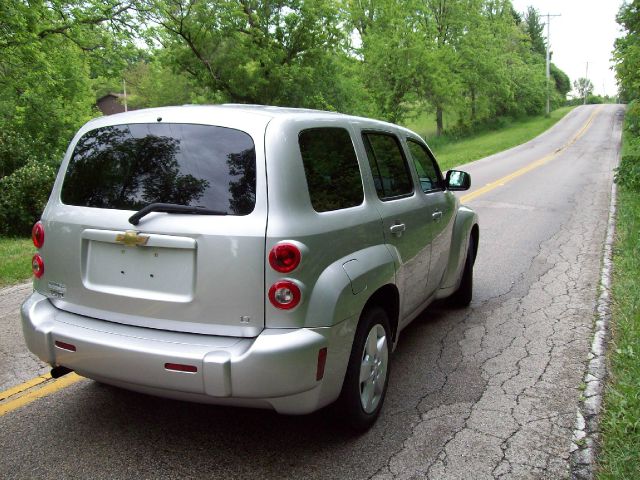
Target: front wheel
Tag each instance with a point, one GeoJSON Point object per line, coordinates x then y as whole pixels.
{"type": "Point", "coordinates": [367, 376]}
{"type": "Point", "coordinates": [462, 296]}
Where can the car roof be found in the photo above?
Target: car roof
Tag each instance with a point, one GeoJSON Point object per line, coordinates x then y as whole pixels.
{"type": "Point", "coordinates": [259, 114]}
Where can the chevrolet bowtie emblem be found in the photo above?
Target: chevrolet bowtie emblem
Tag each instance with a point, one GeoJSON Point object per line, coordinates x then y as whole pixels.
{"type": "Point", "coordinates": [130, 238]}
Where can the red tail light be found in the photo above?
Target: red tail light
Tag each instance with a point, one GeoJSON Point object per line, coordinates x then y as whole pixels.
{"type": "Point", "coordinates": [284, 257]}
{"type": "Point", "coordinates": [37, 265]}
{"type": "Point", "coordinates": [284, 295]}
{"type": "Point", "coordinates": [37, 234]}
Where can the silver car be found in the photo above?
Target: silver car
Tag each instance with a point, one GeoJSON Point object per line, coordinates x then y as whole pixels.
{"type": "Point", "coordinates": [245, 255]}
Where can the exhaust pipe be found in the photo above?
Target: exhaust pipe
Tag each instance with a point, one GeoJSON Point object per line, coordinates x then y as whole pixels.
{"type": "Point", "coordinates": [59, 371]}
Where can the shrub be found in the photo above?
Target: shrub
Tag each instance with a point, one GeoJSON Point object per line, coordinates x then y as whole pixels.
{"type": "Point", "coordinates": [23, 196]}
{"type": "Point", "coordinates": [628, 173]}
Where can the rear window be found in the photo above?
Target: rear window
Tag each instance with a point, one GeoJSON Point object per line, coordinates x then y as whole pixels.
{"type": "Point", "coordinates": [331, 168]}
{"type": "Point", "coordinates": [127, 167]}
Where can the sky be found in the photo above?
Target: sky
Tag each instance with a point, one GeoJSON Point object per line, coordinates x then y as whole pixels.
{"type": "Point", "coordinates": [584, 32]}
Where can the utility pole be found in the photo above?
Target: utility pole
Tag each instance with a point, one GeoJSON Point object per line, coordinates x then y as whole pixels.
{"type": "Point", "coordinates": [586, 79]}
{"type": "Point", "coordinates": [124, 88]}
{"type": "Point", "coordinates": [549, 60]}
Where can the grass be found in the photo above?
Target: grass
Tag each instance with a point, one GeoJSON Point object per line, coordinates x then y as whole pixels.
{"type": "Point", "coordinates": [620, 424]}
{"type": "Point", "coordinates": [16, 256]}
{"type": "Point", "coordinates": [452, 152]}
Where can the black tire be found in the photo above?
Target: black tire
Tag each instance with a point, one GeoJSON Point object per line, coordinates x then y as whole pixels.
{"type": "Point", "coordinates": [463, 295]}
{"type": "Point", "coordinates": [350, 404]}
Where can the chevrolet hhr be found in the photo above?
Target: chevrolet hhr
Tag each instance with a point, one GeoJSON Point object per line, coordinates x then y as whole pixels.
{"type": "Point", "coordinates": [245, 255]}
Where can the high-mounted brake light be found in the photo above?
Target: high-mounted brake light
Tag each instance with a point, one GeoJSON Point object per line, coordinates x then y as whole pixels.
{"type": "Point", "coordinates": [284, 257]}
{"type": "Point", "coordinates": [37, 234]}
{"type": "Point", "coordinates": [284, 295]}
{"type": "Point", "coordinates": [37, 265]}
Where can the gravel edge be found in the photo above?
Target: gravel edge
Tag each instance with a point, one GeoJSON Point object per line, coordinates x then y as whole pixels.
{"type": "Point", "coordinates": [586, 433]}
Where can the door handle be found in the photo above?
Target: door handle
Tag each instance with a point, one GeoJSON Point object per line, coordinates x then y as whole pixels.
{"type": "Point", "coordinates": [397, 229]}
{"type": "Point", "coordinates": [437, 215]}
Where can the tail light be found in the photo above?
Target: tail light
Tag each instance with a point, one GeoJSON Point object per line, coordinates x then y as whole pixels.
{"type": "Point", "coordinates": [284, 295]}
{"type": "Point", "coordinates": [37, 265]}
{"type": "Point", "coordinates": [284, 257]}
{"type": "Point", "coordinates": [37, 234]}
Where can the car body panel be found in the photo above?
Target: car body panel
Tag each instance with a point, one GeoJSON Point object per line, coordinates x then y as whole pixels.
{"type": "Point", "coordinates": [192, 289]}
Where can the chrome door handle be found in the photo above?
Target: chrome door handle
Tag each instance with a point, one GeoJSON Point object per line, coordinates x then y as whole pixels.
{"type": "Point", "coordinates": [437, 215]}
{"type": "Point", "coordinates": [397, 229]}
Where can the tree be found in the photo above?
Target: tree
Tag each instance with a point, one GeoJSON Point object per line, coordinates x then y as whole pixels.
{"type": "Point", "coordinates": [253, 51]}
{"type": "Point", "coordinates": [627, 50]}
{"type": "Point", "coordinates": [535, 31]}
{"type": "Point", "coordinates": [561, 81]}
{"type": "Point", "coordinates": [583, 86]}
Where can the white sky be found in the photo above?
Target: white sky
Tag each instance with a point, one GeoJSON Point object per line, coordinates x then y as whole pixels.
{"type": "Point", "coordinates": [584, 32]}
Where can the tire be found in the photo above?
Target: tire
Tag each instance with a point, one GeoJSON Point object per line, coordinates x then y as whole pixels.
{"type": "Point", "coordinates": [463, 295]}
{"type": "Point", "coordinates": [367, 376]}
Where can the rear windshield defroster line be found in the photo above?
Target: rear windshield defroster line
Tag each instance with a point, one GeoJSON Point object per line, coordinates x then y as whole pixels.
{"type": "Point", "coordinates": [128, 167]}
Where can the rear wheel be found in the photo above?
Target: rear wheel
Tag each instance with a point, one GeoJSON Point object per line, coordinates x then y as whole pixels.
{"type": "Point", "coordinates": [462, 297]}
{"type": "Point", "coordinates": [365, 383]}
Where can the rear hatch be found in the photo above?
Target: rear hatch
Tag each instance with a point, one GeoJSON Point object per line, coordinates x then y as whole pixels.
{"type": "Point", "coordinates": [200, 269]}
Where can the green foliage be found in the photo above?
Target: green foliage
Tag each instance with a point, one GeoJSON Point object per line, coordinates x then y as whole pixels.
{"type": "Point", "coordinates": [535, 30]}
{"type": "Point", "coordinates": [560, 80]}
{"type": "Point", "coordinates": [23, 195]}
{"type": "Point", "coordinates": [627, 50]}
{"type": "Point", "coordinates": [583, 86]}
{"type": "Point", "coordinates": [620, 425]}
{"type": "Point", "coordinates": [16, 255]}
{"type": "Point", "coordinates": [628, 172]}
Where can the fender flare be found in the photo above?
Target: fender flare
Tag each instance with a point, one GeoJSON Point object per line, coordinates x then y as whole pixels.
{"type": "Point", "coordinates": [344, 287]}
{"type": "Point", "coordinates": [466, 220]}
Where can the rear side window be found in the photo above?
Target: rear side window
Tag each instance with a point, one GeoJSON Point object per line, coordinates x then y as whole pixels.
{"type": "Point", "coordinates": [127, 167]}
{"type": "Point", "coordinates": [388, 166]}
{"type": "Point", "coordinates": [428, 171]}
{"type": "Point", "coordinates": [331, 168]}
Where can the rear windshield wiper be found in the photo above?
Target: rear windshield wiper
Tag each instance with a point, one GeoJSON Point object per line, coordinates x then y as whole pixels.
{"type": "Point", "coordinates": [171, 208]}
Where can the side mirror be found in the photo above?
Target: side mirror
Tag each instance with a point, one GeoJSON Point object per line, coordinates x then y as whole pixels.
{"type": "Point", "coordinates": [458, 181]}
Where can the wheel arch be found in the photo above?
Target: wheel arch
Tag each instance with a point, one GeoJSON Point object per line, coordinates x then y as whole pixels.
{"type": "Point", "coordinates": [465, 226]}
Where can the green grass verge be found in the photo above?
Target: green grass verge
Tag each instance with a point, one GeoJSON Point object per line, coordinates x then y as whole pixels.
{"type": "Point", "coordinates": [620, 423]}
{"type": "Point", "coordinates": [451, 152]}
{"type": "Point", "coordinates": [16, 256]}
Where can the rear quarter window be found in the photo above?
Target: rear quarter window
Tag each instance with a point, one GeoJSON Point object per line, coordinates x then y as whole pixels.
{"type": "Point", "coordinates": [127, 167]}
{"type": "Point", "coordinates": [331, 168]}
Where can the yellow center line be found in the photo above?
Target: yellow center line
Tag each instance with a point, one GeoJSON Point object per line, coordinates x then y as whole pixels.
{"type": "Point", "coordinates": [24, 386]}
{"type": "Point", "coordinates": [36, 393]}
{"type": "Point", "coordinates": [27, 392]}
{"type": "Point", "coordinates": [532, 166]}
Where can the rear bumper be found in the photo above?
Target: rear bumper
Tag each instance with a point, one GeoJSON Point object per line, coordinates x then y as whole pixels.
{"type": "Point", "coordinates": [277, 369]}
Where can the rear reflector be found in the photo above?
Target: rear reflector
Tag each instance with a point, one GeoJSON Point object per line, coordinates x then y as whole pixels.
{"type": "Point", "coordinates": [37, 265]}
{"type": "Point", "coordinates": [322, 360]}
{"type": "Point", "coordinates": [65, 346]}
{"type": "Point", "coordinates": [179, 367]}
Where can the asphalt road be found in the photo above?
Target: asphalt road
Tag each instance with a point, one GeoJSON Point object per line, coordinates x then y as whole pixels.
{"type": "Point", "coordinates": [485, 392]}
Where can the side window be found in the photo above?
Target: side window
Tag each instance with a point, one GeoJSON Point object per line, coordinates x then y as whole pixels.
{"type": "Point", "coordinates": [390, 173]}
{"type": "Point", "coordinates": [331, 168]}
{"type": "Point", "coordinates": [426, 167]}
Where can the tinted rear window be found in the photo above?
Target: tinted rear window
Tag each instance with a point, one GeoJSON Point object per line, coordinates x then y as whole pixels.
{"type": "Point", "coordinates": [129, 166]}
{"type": "Point", "coordinates": [331, 167]}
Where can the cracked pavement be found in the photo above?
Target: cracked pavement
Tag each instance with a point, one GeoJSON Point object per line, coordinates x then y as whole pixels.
{"type": "Point", "coordinates": [485, 392]}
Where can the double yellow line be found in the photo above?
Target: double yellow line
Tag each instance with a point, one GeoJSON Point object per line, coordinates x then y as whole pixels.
{"type": "Point", "coordinates": [30, 391]}
{"type": "Point", "coordinates": [532, 166]}
{"type": "Point", "coordinates": [44, 385]}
